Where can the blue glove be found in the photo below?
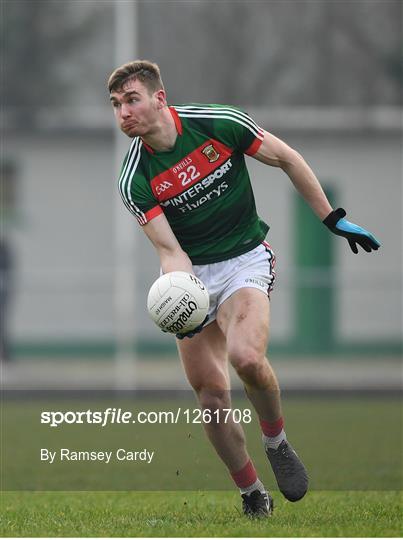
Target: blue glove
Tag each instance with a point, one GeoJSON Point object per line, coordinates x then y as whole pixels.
{"type": "Point", "coordinates": [354, 234]}
{"type": "Point", "coordinates": [194, 331]}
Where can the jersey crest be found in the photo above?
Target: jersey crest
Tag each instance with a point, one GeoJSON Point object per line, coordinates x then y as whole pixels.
{"type": "Point", "coordinates": [211, 153]}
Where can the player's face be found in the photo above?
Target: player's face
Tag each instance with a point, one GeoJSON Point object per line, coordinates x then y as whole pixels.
{"type": "Point", "coordinates": [135, 108]}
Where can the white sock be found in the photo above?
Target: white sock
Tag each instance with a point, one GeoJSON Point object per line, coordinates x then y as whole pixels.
{"type": "Point", "coordinates": [274, 442]}
{"type": "Point", "coordinates": [253, 487]}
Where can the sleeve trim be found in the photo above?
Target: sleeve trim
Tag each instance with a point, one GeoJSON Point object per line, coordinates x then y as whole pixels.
{"type": "Point", "coordinates": [254, 147]}
{"type": "Point", "coordinates": [151, 214]}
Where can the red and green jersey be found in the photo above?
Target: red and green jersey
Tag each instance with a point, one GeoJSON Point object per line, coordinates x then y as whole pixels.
{"type": "Point", "coordinates": [202, 185]}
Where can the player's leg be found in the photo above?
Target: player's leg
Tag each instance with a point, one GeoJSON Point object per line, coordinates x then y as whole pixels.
{"type": "Point", "coordinates": [205, 363]}
{"type": "Point", "coordinates": [244, 320]}
{"type": "Point", "coordinates": [204, 358]}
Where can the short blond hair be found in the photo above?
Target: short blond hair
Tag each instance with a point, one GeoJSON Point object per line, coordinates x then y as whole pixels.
{"type": "Point", "coordinates": [144, 71]}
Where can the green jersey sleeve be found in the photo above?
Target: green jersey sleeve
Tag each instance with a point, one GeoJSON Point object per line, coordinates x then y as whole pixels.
{"type": "Point", "coordinates": [239, 131]}
{"type": "Point", "coordinates": [135, 189]}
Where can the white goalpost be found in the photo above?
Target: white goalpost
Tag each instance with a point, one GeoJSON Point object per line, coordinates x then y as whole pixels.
{"type": "Point", "coordinates": [125, 282]}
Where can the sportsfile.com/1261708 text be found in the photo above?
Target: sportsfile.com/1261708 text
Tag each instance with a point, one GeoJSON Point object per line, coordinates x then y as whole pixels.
{"type": "Point", "coordinates": [113, 415]}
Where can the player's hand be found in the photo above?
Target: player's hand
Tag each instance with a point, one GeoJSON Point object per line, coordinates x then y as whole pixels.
{"type": "Point", "coordinates": [355, 235]}
{"type": "Point", "coordinates": [194, 331]}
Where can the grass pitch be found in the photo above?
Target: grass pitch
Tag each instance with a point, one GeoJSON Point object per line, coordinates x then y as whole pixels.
{"type": "Point", "coordinates": [191, 514]}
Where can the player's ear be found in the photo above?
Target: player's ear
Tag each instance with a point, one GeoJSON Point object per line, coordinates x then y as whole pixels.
{"type": "Point", "coordinates": [161, 98]}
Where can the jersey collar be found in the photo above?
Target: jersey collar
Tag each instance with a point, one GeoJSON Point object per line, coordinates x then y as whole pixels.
{"type": "Point", "coordinates": [177, 120]}
{"type": "Point", "coordinates": [178, 125]}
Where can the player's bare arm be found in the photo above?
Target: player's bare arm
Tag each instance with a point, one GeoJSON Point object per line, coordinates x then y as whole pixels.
{"type": "Point", "coordinates": [172, 257]}
{"type": "Point", "coordinates": [275, 152]}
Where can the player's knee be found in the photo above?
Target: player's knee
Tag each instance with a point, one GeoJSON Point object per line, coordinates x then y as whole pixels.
{"type": "Point", "coordinates": [247, 362]}
{"type": "Point", "coordinates": [213, 401]}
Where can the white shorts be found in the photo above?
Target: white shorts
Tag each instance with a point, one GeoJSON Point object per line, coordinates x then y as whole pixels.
{"type": "Point", "coordinates": [255, 269]}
